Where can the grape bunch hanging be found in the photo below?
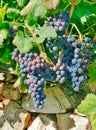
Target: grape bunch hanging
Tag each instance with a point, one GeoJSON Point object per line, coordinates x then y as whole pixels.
{"type": "Point", "coordinates": [70, 59]}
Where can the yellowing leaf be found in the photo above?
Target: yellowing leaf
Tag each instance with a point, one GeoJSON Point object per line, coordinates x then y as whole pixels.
{"type": "Point", "coordinates": [88, 107]}
{"type": "Point", "coordinates": [3, 12]}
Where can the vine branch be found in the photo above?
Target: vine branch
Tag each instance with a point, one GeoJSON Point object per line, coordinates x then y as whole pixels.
{"type": "Point", "coordinates": [73, 2]}
{"type": "Point", "coordinates": [72, 7]}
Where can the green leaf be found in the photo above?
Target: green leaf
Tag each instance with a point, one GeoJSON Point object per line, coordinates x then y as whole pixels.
{"type": "Point", "coordinates": [85, 10]}
{"type": "Point", "coordinates": [3, 25]}
{"type": "Point", "coordinates": [3, 12]}
{"type": "Point", "coordinates": [44, 32]}
{"type": "Point", "coordinates": [22, 2]}
{"type": "Point", "coordinates": [92, 72]}
{"type": "Point", "coordinates": [5, 55]}
{"type": "Point", "coordinates": [47, 31]}
{"type": "Point", "coordinates": [13, 13]}
{"type": "Point", "coordinates": [31, 19]}
{"type": "Point", "coordinates": [88, 107]}
{"type": "Point", "coordinates": [23, 43]}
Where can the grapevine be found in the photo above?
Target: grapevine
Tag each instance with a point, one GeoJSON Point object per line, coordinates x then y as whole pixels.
{"type": "Point", "coordinates": [70, 60]}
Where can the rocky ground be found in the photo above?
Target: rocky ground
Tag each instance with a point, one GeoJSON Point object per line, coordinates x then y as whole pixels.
{"type": "Point", "coordinates": [18, 113]}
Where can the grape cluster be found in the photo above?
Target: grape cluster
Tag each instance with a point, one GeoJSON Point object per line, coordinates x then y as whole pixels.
{"type": "Point", "coordinates": [74, 57]}
{"type": "Point", "coordinates": [35, 70]}
{"type": "Point", "coordinates": [71, 63]}
{"type": "Point", "coordinates": [59, 23]}
{"type": "Point", "coordinates": [36, 89]}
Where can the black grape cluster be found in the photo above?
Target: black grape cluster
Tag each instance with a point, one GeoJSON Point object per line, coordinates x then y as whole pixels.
{"type": "Point", "coordinates": [59, 23]}
{"type": "Point", "coordinates": [71, 64]}
{"type": "Point", "coordinates": [74, 57]}
{"type": "Point", "coordinates": [35, 70]}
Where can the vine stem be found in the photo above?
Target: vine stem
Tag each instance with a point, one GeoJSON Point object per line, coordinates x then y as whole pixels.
{"type": "Point", "coordinates": [80, 35]}
{"type": "Point", "coordinates": [14, 23]}
{"type": "Point", "coordinates": [31, 31]}
{"type": "Point", "coordinates": [89, 27]}
{"type": "Point", "coordinates": [71, 31]}
{"type": "Point", "coordinates": [72, 7]}
{"type": "Point", "coordinates": [67, 6]}
{"type": "Point", "coordinates": [73, 2]}
{"type": "Point", "coordinates": [40, 48]}
{"type": "Point", "coordinates": [90, 2]}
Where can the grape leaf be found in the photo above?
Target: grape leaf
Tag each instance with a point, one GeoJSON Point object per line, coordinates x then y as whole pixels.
{"type": "Point", "coordinates": [86, 10]}
{"type": "Point", "coordinates": [88, 107]}
{"type": "Point", "coordinates": [5, 55]}
{"type": "Point", "coordinates": [92, 73]}
{"type": "Point", "coordinates": [23, 43]}
{"type": "Point", "coordinates": [31, 19]}
{"type": "Point", "coordinates": [33, 10]}
{"type": "Point", "coordinates": [22, 2]}
{"type": "Point", "coordinates": [3, 12]}
{"type": "Point", "coordinates": [44, 32]}
{"type": "Point", "coordinates": [3, 24]}
{"type": "Point", "coordinates": [37, 8]}
{"type": "Point", "coordinates": [12, 12]}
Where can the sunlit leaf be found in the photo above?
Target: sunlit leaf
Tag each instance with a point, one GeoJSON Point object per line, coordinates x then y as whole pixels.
{"type": "Point", "coordinates": [88, 107]}
{"type": "Point", "coordinates": [44, 32]}
{"type": "Point", "coordinates": [23, 43]}
{"type": "Point", "coordinates": [13, 13]}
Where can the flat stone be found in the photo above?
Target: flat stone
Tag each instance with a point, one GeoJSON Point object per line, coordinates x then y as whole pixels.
{"type": "Point", "coordinates": [42, 123]}
{"type": "Point", "coordinates": [6, 126]}
{"type": "Point", "coordinates": [14, 117]}
{"type": "Point", "coordinates": [1, 113]}
{"type": "Point", "coordinates": [56, 102]}
{"type": "Point", "coordinates": [5, 103]}
{"type": "Point", "coordinates": [10, 93]}
{"type": "Point", "coordinates": [2, 76]}
{"type": "Point", "coordinates": [64, 122]}
{"type": "Point", "coordinates": [1, 105]}
{"type": "Point", "coordinates": [81, 122]}
{"type": "Point", "coordinates": [24, 119]}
